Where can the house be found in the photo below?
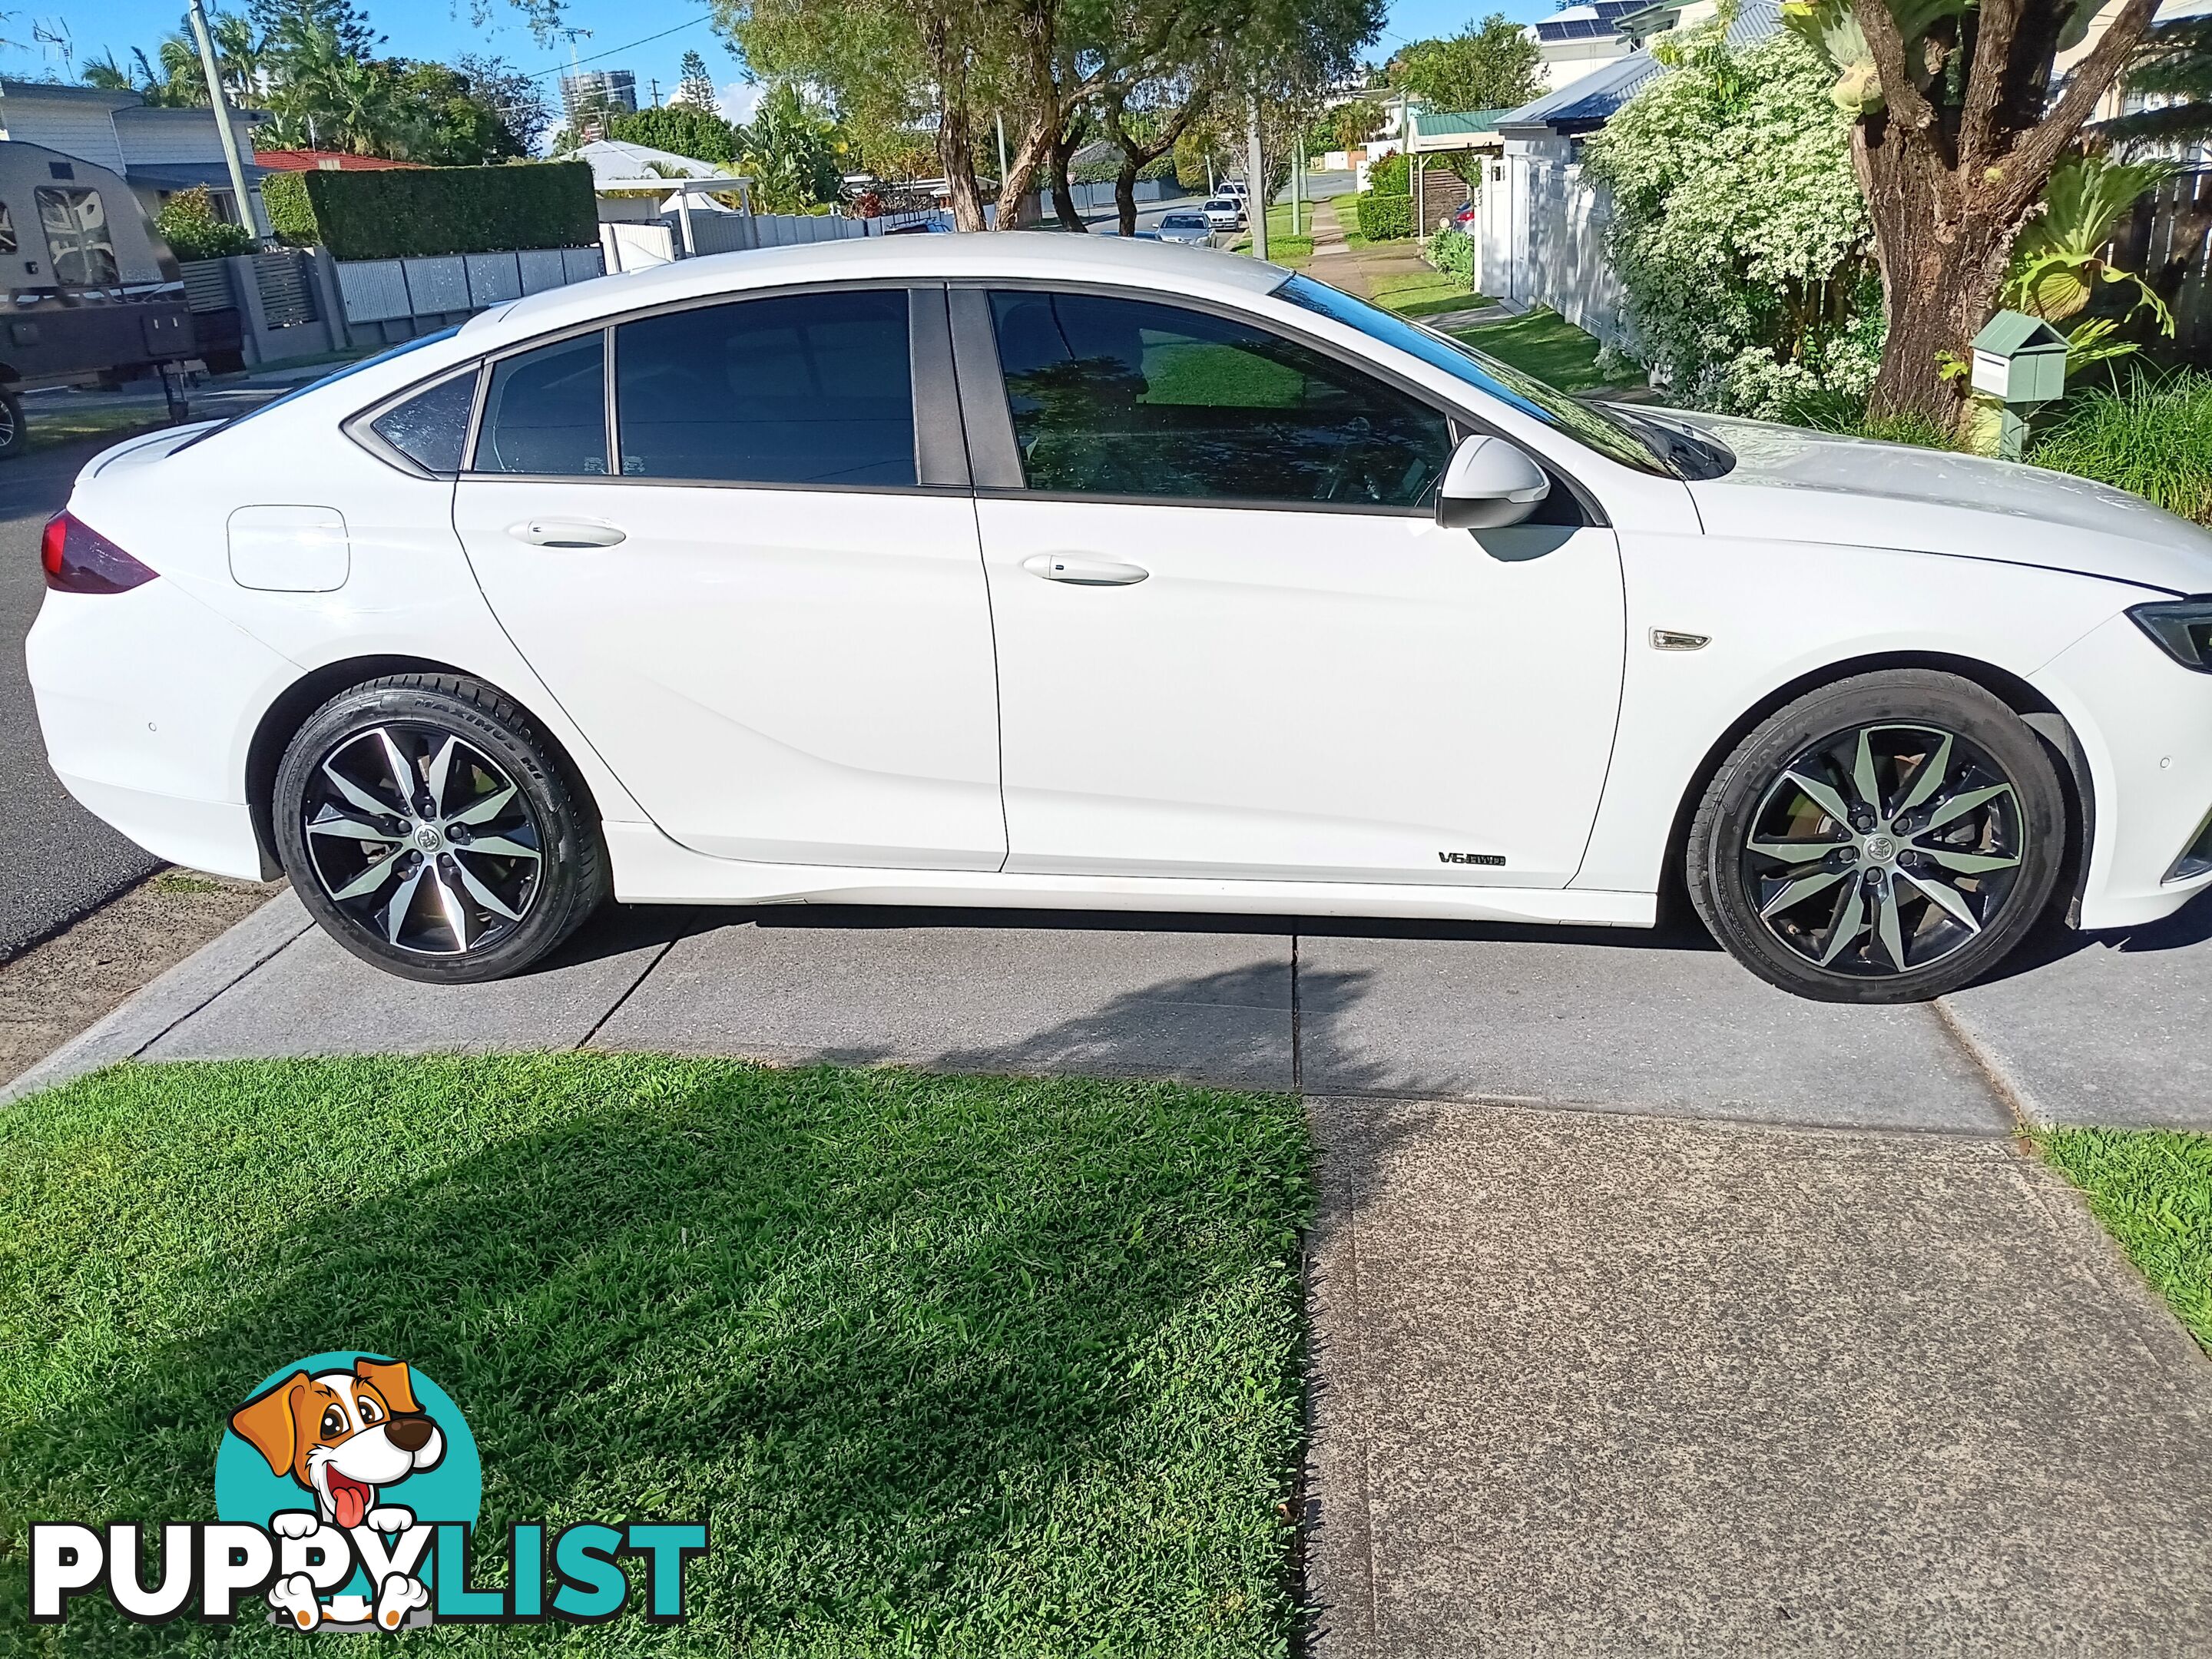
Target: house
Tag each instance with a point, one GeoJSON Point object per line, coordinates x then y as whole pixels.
{"type": "Point", "coordinates": [1541, 227]}
{"type": "Point", "coordinates": [1451, 133]}
{"type": "Point", "coordinates": [617, 167]}
{"type": "Point", "coordinates": [159, 152]}
{"type": "Point", "coordinates": [1578, 39]}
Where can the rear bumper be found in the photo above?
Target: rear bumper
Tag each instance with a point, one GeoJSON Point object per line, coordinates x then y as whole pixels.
{"type": "Point", "coordinates": [147, 701]}
{"type": "Point", "coordinates": [205, 834]}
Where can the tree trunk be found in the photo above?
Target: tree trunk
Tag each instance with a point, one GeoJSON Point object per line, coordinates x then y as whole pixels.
{"type": "Point", "coordinates": [956, 136]}
{"type": "Point", "coordinates": [1949, 183]}
{"type": "Point", "coordinates": [1942, 248]}
{"type": "Point", "coordinates": [1124, 195]}
{"type": "Point", "coordinates": [1063, 192]}
{"type": "Point", "coordinates": [1026, 159]}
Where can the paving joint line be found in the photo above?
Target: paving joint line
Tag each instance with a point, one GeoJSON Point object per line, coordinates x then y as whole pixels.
{"type": "Point", "coordinates": [630, 990]}
{"type": "Point", "coordinates": [1297, 1047]}
{"type": "Point", "coordinates": [1654, 1115]}
{"type": "Point", "coordinates": [1993, 1073]}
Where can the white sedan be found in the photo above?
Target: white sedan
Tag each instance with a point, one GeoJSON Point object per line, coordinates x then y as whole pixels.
{"type": "Point", "coordinates": [1078, 572]}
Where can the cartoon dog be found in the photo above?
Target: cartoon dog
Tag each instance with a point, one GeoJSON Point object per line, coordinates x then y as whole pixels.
{"type": "Point", "coordinates": [345, 1436]}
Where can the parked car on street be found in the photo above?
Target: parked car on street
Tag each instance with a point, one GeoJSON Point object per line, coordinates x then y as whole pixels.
{"type": "Point", "coordinates": [1463, 216]}
{"type": "Point", "coordinates": [1225, 213]}
{"type": "Point", "coordinates": [1192, 227]}
{"type": "Point", "coordinates": [1085, 572]}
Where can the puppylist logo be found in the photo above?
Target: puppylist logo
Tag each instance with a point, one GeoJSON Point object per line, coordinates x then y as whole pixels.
{"type": "Point", "coordinates": [348, 1486]}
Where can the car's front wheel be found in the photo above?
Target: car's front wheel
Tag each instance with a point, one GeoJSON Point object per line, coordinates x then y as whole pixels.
{"type": "Point", "coordinates": [1884, 839]}
{"type": "Point", "coordinates": [431, 829]}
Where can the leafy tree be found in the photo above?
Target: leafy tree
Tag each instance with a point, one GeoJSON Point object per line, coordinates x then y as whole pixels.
{"type": "Point", "coordinates": [792, 151]}
{"type": "Point", "coordinates": [680, 128]}
{"type": "Point", "coordinates": [695, 86]}
{"type": "Point", "coordinates": [516, 99]}
{"type": "Point", "coordinates": [1956, 126]}
{"type": "Point", "coordinates": [279, 19]}
{"type": "Point", "coordinates": [1491, 64]}
{"type": "Point", "coordinates": [2174, 65]}
{"type": "Point", "coordinates": [1356, 123]}
{"type": "Point", "coordinates": [1738, 229]}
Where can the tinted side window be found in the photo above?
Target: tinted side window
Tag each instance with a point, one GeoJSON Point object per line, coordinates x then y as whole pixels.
{"type": "Point", "coordinates": [1126, 397]}
{"type": "Point", "coordinates": [547, 411]}
{"type": "Point", "coordinates": [801, 389]}
{"type": "Point", "coordinates": [430, 427]}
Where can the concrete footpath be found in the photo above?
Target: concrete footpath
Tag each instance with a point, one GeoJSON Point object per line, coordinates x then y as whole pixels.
{"type": "Point", "coordinates": [1653, 1310]}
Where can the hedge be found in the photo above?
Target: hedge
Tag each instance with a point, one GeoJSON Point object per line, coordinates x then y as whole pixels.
{"type": "Point", "coordinates": [410, 212]}
{"type": "Point", "coordinates": [1389, 176]}
{"type": "Point", "coordinates": [1385, 218]}
{"type": "Point", "coordinates": [291, 216]}
{"type": "Point", "coordinates": [1106, 171]}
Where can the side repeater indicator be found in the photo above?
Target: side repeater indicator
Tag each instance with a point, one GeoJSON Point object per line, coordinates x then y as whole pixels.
{"type": "Point", "coordinates": [1667, 639]}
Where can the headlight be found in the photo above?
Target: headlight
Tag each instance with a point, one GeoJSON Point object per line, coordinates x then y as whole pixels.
{"type": "Point", "coordinates": [2183, 628]}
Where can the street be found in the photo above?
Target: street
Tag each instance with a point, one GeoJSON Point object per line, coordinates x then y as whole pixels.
{"type": "Point", "coordinates": [61, 859]}
{"type": "Point", "coordinates": [1319, 187]}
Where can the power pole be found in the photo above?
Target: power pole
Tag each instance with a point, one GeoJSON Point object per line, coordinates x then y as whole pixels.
{"type": "Point", "coordinates": [1256, 182]}
{"type": "Point", "coordinates": [249, 206]}
{"type": "Point", "coordinates": [655, 84]}
{"type": "Point", "coordinates": [1297, 174]}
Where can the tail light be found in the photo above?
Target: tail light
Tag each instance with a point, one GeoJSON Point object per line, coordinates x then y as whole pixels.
{"type": "Point", "coordinates": [78, 559]}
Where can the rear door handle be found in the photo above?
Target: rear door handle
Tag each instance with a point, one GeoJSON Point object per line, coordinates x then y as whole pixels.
{"type": "Point", "coordinates": [565, 532]}
{"type": "Point", "coordinates": [1084, 571]}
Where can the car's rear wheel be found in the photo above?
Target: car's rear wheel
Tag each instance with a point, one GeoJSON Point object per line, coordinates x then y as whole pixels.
{"type": "Point", "coordinates": [431, 830]}
{"type": "Point", "coordinates": [1884, 839]}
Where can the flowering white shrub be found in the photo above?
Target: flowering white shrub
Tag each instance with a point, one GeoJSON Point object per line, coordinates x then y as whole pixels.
{"type": "Point", "coordinates": [1739, 231]}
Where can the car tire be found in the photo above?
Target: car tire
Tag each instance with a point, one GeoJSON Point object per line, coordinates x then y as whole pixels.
{"type": "Point", "coordinates": [1884, 839]}
{"type": "Point", "coordinates": [14, 434]}
{"type": "Point", "coordinates": [491, 863]}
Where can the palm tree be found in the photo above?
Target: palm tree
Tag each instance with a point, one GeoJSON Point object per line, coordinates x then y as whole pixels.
{"type": "Point", "coordinates": [792, 152]}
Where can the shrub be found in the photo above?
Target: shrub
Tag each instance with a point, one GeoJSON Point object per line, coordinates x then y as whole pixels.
{"type": "Point", "coordinates": [1452, 251]}
{"type": "Point", "coordinates": [291, 216]}
{"type": "Point", "coordinates": [188, 224]}
{"type": "Point", "coordinates": [410, 212]}
{"type": "Point", "coordinates": [1385, 218]}
{"type": "Point", "coordinates": [1738, 229]}
{"type": "Point", "coordinates": [1391, 176]}
{"type": "Point", "coordinates": [2154, 437]}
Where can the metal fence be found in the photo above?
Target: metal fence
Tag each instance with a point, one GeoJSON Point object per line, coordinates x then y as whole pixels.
{"type": "Point", "coordinates": [395, 299]}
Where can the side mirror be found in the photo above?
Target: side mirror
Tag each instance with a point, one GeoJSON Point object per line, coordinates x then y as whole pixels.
{"type": "Point", "coordinates": [1489, 485]}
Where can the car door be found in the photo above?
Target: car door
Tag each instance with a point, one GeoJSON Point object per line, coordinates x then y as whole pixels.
{"type": "Point", "coordinates": [770, 618]}
{"type": "Point", "coordinates": [1232, 639]}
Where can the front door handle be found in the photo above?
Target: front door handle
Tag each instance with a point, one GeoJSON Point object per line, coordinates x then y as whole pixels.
{"type": "Point", "coordinates": [565, 532]}
{"type": "Point", "coordinates": [1082, 570]}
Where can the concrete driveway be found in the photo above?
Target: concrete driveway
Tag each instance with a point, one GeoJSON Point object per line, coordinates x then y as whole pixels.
{"type": "Point", "coordinates": [2103, 1028]}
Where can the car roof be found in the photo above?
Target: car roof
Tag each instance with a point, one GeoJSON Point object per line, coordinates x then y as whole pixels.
{"type": "Point", "coordinates": [1016, 256]}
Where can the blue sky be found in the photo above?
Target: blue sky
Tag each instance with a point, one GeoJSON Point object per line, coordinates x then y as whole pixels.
{"type": "Point", "coordinates": [648, 37]}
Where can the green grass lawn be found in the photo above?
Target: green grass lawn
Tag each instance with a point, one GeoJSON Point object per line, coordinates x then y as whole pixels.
{"type": "Point", "coordinates": [1543, 343]}
{"type": "Point", "coordinates": [1283, 248]}
{"type": "Point", "coordinates": [2153, 1191]}
{"type": "Point", "coordinates": [46, 430]}
{"type": "Point", "coordinates": [1422, 293]}
{"type": "Point", "coordinates": [952, 1365]}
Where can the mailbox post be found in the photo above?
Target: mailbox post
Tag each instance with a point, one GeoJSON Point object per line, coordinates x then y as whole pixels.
{"type": "Point", "coordinates": [2020, 361]}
